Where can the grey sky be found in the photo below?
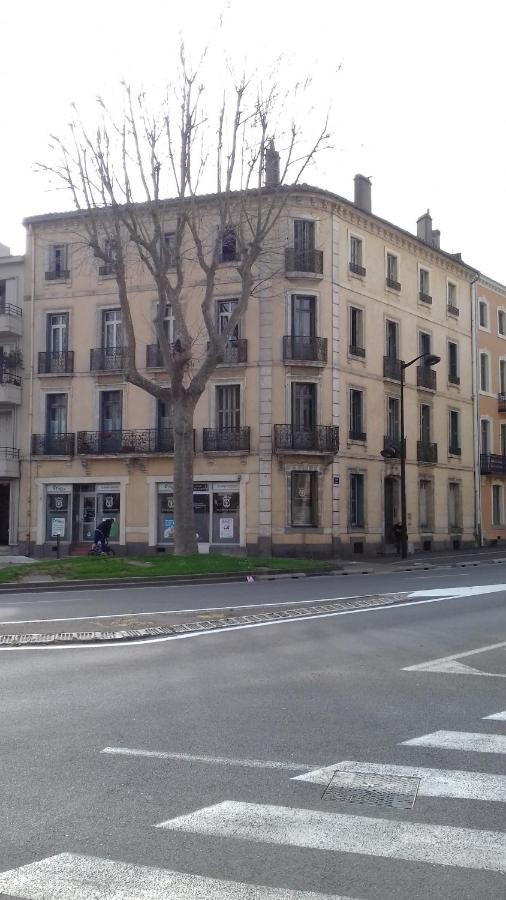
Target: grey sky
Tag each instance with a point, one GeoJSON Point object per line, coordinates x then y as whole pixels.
{"type": "Point", "coordinates": [417, 91]}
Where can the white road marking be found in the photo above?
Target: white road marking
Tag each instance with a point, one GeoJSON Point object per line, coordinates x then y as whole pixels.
{"type": "Point", "coordinates": [451, 783]}
{"type": "Point", "coordinates": [451, 664]}
{"type": "Point", "coordinates": [434, 844]}
{"type": "Point", "coordinates": [470, 591]}
{"type": "Point", "coordinates": [72, 877]}
{"type": "Point", "coordinates": [499, 717]}
{"type": "Point", "coordinates": [461, 740]}
{"type": "Point", "coordinates": [211, 760]}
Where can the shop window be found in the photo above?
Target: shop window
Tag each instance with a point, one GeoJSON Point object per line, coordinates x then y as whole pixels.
{"type": "Point", "coordinates": [57, 517]}
{"type": "Point", "coordinates": [303, 505]}
{"type": "Point", "coordinates": [225, 517]}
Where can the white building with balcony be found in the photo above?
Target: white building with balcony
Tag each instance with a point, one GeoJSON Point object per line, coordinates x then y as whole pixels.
{"type": "Point", "coordinates": [11, 364]}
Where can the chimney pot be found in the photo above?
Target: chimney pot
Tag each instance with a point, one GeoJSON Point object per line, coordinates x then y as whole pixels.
{"type": "Point", "coordinates": [272, 178]}
{"type": "Point", "coordinates": [436, 238]}
{"type": "Point", "coordinates": [363, 193]}
{"type": "Point", "coordinates": [424, 228]}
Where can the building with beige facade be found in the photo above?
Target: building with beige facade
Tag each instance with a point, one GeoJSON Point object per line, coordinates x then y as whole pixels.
{"type": "Point", "coordinates": [490, 316]}
{"type": "Point", "coordinates": [11, 331]}
{"type": "Point", "coordinates": [290, 431]}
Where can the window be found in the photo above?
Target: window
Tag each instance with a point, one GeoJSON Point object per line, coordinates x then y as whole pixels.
{"type": "Point", "coordinates": [229, 246]}
{"type": "Point", "coordinates": [503, 439]}
{"type": "Point", "coordinates": [501, 322]}
{"type": "Point", "coordinates": [110, 411]}
{"type": "Point", "coordinates": [228, 407]}
{"type": "Point", "coordinates": [57, 333]}
{"type": "Point", "coordinates": [356, 256]}
{"type": "Point", "coordinates": [303, 500]}
{"type": "Point", "coordinates": [424, 283]}
{"type": "Point", "coordinates": [169, 240]}
{"type": "Point", "coordinates": [356, 512]}
{"type": "Point", "coordinates": [453, 433]}
{"type": "Point", "coordinates": [393, 417]}
{"type": "Point", "coordinates": [225, 310]}
{"type": "Point", "coordinates": [425, 504]}
{"type": "Point", "coordinates": [485, 436]}
{"type": "Point", "coordinates": [357, 432]}
{"type": "Point", "coordinates": [453, 363]}
{"type": "Point", "coordinates": [484, 372]}
{"type": "Point", "coordinates": [451, 296]}
{"type": "Point", "coordinates": [56, 414]}
{"type": "Point", "coordinates": [303, 312]}
{"type": "Point", "coordinates": [303, 406]}
{"type": "Point", "coordinates": [425, 424]}
{"type": "Point", "coordinates": [8, 291]}
{"type": "Point", "coordinates": [454, 506]}
{"type": "Point", "coordinates": [356, 326]}
{"type": "Point", "coordinates": [483, 314]}
{"type": "Point", "coordinates": [497, 504]}
{"type": "Point", "coordinates": [303, 235]}
{"type": "Point", "coordinates": [502, 376]}
{"type": "Point", "coordinates": [112, 332]}
{"type": "Point", "coordinates": [107, 267]}
{"type": "Point", "coordinates": [393, 271]}
{"type": "Point", "coordinates": [392, 339]}
{"type": "Point", "coordinates": [424, 342]}
{"type": "Point", "coordinates": [57, 262]}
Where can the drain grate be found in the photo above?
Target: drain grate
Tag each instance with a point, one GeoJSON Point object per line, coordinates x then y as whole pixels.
{"type": "Point", "coordinates": [398, 792]}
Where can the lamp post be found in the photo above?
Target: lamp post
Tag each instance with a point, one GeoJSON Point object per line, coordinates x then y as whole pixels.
{"type": "Point", "coordinates": [430, 360]}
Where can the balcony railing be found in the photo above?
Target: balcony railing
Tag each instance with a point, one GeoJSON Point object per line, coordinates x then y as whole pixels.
{"type": "Point", "coordinates": [357, 270]}
{"type": "Point", "coordinates": [393, 285]}
{"type": "Point", "coordinates": [453, 310]}
{"type": "Point", "coordinates": [392, 368]}
{"type": "Point", "coordinates": [53, 444]}
{"type": "Point", "coordinates": [307, 261]}
{"type": "Point", "coordinates": [356, 435]}
{"type": "Point", "coordinates": [56, 363]}
{"type": "Point", "coordinates": [426, 377]}
{"type": "Point", "coordinates": [129, 441]}
{"type": "Point", "coordinates": [235, 352]}
{"type": "Point", "coordinates": [226, 440]}
{"type": "Point", "coordinates": [425, 298]}
{"type": "Point", "coordinates": [107, 359]}
{"type": "Point", "coordinates": [106, 269]}
{"type": "Point", "coordinates": [454, 450]}
{"type": "Point", "coordinates": [425, 452]}
{"type": "Point", "coordinates": [501, 403]}
{"type": "Point", "coordinates": [353, 350]}
{"type": "Point", "coordinates": [8, 377]}
{"type": "Point", "coordinates": [304, 348]}
{"type": "Point", "coordinates": [453, 379]}
{"type": "Point", "coordinates": [319, 439]}
{"type": "Point", "coordinates": [58, 275]}
{"type": "Point", "coordinates": [9, 309]}
{"type": "Point", "coordinates": [492, 464]}
{"type": "Point", "coordinates": [393, 444]}
{"type": "Point", "coordinates": [9, 453]}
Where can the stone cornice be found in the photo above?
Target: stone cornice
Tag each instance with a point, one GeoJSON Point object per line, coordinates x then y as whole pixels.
{"type": "Point", "coordinates": [492, 285]}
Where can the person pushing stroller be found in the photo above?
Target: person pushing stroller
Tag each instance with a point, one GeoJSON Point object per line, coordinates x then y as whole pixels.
{"type": "Point", "coordinates": [101, 536]}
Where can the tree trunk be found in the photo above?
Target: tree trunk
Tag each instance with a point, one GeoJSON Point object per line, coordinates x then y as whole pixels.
{"type": "Point", "coordinates": [185, 539]}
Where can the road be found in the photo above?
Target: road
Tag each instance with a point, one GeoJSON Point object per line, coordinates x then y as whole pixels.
{"type": "Point", "coordinates": [218, 749]}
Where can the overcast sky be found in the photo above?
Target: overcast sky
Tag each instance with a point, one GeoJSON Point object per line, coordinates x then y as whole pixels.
{"type": "Point", "coordinates": [417, 93]}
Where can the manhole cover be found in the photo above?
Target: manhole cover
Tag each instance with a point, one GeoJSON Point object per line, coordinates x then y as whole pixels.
{"type": "Point", "coordinates": [359, 787]}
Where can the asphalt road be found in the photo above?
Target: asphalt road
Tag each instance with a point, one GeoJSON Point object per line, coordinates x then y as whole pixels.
{"type": "Point", "coordinates": [232, 719]}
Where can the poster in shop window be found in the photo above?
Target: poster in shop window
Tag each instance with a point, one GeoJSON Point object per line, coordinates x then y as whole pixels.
{"type": "Point", "coordinates": [168, 528]}
{"type": "Point", "coordinates": [57, 527]}
{"type": "Point", "coordinates": [226, 528]}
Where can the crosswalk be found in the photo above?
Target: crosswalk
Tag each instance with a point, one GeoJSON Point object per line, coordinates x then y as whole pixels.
{"type": "Point", "coordinates": [335, 829]}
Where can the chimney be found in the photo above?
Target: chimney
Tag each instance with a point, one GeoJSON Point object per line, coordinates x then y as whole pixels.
{"type": "Point", "coordinates": [436, 238]}
{"type": "Point", "coordinates": [363, 192]}
{"type": "Point", "coordinates": [4, 250]}
{"type": "Point", "coordinates": [424, 228]}
{"type": "Point", "coordinates": [271, 166]}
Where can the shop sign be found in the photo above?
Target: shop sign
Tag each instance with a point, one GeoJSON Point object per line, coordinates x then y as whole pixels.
{"type": "Point", "coordinates": [59, 488]}
{"type": "Point", "coordinates": [226, 486]}
{"type": "Point", "coordinates": [200, 486]}
{"type": "Point", "coordinates": [57, 527]}
{"type": "Point", "coordinates": [107, 488]}
{"type": "Point", "coordinates": [165, 487]}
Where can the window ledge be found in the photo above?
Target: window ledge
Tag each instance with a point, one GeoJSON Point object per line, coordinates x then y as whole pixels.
{"type": "Point", "coordinates": [311, 363]}
{"type": "Point", "coordinates": [356, 276]}
{"type": "Point", "coordinates": [311, 276]}
{"type": "Point", "coordinates": [312, 529]}
{"type": "Point", "coordinates": [55, 374]}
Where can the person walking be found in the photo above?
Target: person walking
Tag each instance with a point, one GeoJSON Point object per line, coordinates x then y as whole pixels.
{"type": "Point", "coordinates": [102, 532]}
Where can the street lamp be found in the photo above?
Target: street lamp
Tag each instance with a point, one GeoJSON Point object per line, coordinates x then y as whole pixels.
{"type": "Point", "coordinates": [429, 360]}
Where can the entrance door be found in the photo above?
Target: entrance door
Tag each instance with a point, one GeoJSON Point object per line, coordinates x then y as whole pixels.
{"type": "Point", "coordinates": [391, 513]}
{"type": "Point", "coordinates": [5, 492]}
{"type": "Point", "coordinates": [87, 517]}
{"type": "Point", "coordinates": [201, 513]}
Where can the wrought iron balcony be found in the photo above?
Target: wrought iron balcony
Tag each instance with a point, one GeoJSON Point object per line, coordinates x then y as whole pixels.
{"type": "Point", "coordinates": [492, 464]}
{"type": "Point", "coordinates": [9, 309]}
{"type": "Point", "coordinates": [426, 452]}
{"type": "Point", "coordinates": [53, 444]}
{"type": "Point", "coordinates": [56, 363]}
{"type": "Point", "coordinates": [501, 403]}
{"type": "Point", "coordinates": [393, 285]}
{"type": "Point", "coordinates": [454, 450]}
{"type": "Point", "coordinates": [353, 350]}
{"type": "Point", "coordinates": [356, 269]}
{"type": "Point", "coordinates": [319, 439]}
{"type": "Point", "coordinates": [453, 379]}
{"type": "Point", "coordinates": [106, 269]}
{"type": "Point", "coordinates": [425, 298]}
{"type": "Point", "coordinates": [304, 348]}
{"type": "Point", "coordinates": [426, 377]}
{"type": "Point", "coordinates": [131, 441]}
{"type": "Point", "coordinates": [356, 435]}
{"type": "Point", "coordinates": [58, 275]}
{"type": "Point", "coordinates": [107, 359]}
{"type": "Point", "coordinates": [235, 352]}
{"type": "Point", "coordinates": [8, 377]}
{"type": "Point", "coordinates": [453, 310]}
{"type": "Point", "coordinates": [392, 368]}
{"type": "Point", "coordinates": [226, 440]}
{"type": "Point", "coordinates": [9, 453]}
{"type": "Point", "coordinates": [392, 443]}
{"type": "Point", "coordinates": [309, 262]}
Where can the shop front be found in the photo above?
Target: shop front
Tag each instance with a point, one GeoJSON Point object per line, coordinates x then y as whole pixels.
{"type": "Point", "coordinates": [217, 511]}
{"type": "Point", "coordinates": [72, 511]}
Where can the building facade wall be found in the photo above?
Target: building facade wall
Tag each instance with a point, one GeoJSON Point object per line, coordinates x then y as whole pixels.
{"type": "Point", "coordinates": [12, 391]}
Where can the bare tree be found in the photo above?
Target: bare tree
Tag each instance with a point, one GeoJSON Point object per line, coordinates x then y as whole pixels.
{"type": "Point", "coordinates": [120, 173]}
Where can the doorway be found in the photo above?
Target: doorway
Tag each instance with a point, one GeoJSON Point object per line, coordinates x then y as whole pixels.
{"type": "Point", "coordinates": [391, 486]}
{"type": "Point", "coordinates": [87, 516]}
{"type": "Point", "coordinates": [5, 496]}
